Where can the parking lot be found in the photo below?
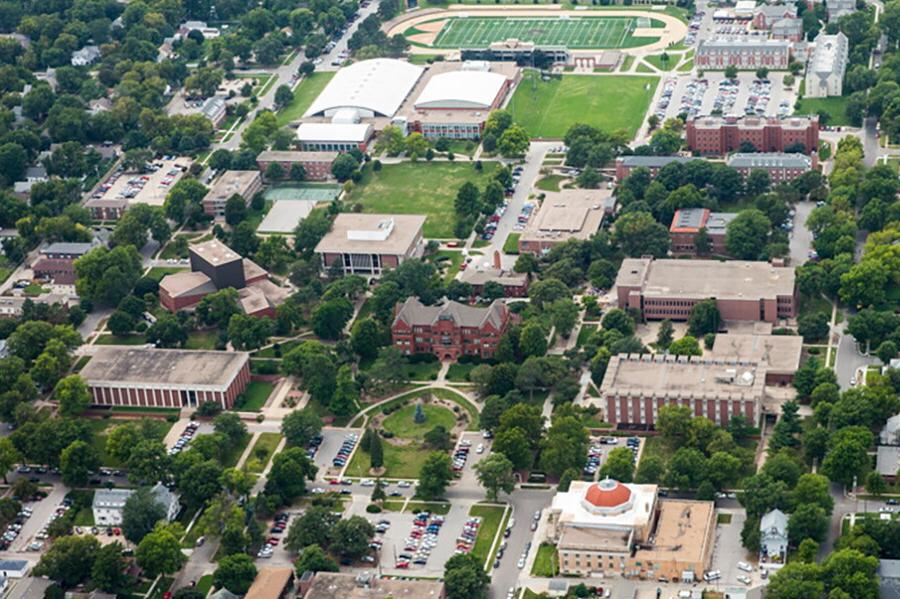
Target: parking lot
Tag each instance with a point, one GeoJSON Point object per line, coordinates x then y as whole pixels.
{"type": "Point", "coordinates": [729, 552]}
{"type": "Point", "coordinates": [146, 188]}
{"type": "Point", "coordinates": [713, 93]}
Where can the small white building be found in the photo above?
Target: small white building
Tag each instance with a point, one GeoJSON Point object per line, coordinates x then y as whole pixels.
{"type": "Point", "coordinates": [14, 568]}
{"type": "Point", "coordinates": [86, 56]}
{"type": "Point", "coordinates": [825, 73]}
{"type": "Point", "coordinates": [109, 503]}
{"type": "Point", "coordinates": [773, 539]}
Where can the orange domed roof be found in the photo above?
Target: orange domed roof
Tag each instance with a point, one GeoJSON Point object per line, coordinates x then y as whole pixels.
{"type": "Point", "coordinates": [607, 493]}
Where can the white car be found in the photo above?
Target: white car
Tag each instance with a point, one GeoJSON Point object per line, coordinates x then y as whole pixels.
{"type": "Point", "coordinates": [521, 563]}
{"type": "Point", "coordinates": [367, 482]}
{"type": "Point", "coordinates": [480, 448]}
{"type": "Point", "coordinates": [743, 579]}
{"type": "Point", "coordinates": [404, 484]}
{"type": "Point", "coordinates": [745, 567]}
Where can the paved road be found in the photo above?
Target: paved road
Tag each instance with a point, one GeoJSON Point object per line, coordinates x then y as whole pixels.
{"type": "Point", "coordinates": [801, 238]}
{"type": "Point", "coordinates": [849, 359]}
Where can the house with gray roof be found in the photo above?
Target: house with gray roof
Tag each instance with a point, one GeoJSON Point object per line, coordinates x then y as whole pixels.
{"type": "Point", "coordinates": [109, 503]}
{"type": "Point", "coordinates": [86, 56]}
{"type": "Point", "coordinates": [626, 164]}
{"type": "Point", "coordinates": [782, 167]}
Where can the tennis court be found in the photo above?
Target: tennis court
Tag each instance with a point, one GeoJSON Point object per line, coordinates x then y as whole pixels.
{"type": "Point", "coordinates": [572, 32]}
{"type": "Point", "coordinates": [315, 193]}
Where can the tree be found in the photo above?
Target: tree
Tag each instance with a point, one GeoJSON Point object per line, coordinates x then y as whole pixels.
{"type": "Point", "coordinates": [148, 461]}
{"type": "Point", "coordinates": [140, 514]}
{"type": "Point", "coordinates": [235, 573]}
{"type": "Point", "coordinates": [284, 95]}
{"type": "Point", "coordinates": [249, 332]}
{"type": "Point", "coordinates": [807, 522]}
{"type": "Point", "coordinates": [106, 276]}
{"type": "Point", "coordinates": [69, 560]}
{"type": "Point", "coordinates": [762, 73]}
{"type": "Point", "coordinates": [313, 527]}
{"type": "Point", "coordinates": [343, 167]}
{"type": "Point", "coordinates": [886, 352]}
{"type": "Point", "coordinates": [300, 426]}
{"type": "Point", "coordinates": [330, 317]}
{"type": "Point", "coordinates": [73, 395]}
{"type": "Point", "coordinates": [231, 427]}
{"type": "Point", "coordinates": [9, 457]}
{"type": "Point", "coordinates": [533, 340]}
{"type": "Point", "coordinates": [686, 346]}
{"type": "Point", "coordinates": [704, 318]}
{"type": "Point", "coordinates": [845, 461]}
{"type": "Point", "coordinates": [108, 571]}
{"type": "Point", "coordinates": [159, 552]}
{"type": "Point", "coordinates": [351, 536]}
{"type": "Point", "coordinates": [875, 484]}
{"type": "Point", "coordinates": [467, 202]}
{"type": "Point", "coordinates": [619, 465]}
{"type": "Point", "coordinates": [665, 335]}
{"type": "Point", "coordinates": [731, 72]}
{"type": "Point", "coordinates": [465, 578]}
{"type": "Point", "coordinates": [650, 470]}
{"type": "Point", "coordinates": [686, 469]}
{"type": "Point", "coordinates": [434, 476]}
{"type": "Point", "coordinates": [290, 470]}
{"type": "Point", "coordinates": [76, 462]}
{"type": "Point", "coordinates": [167, 332]}
{"type": "Point", "coordinates": [366, 338]}
{"type": "Point", "coordinates": [235, 209]}
{"type": "Point", "coordinates": [438, 438]}
{"type": "Point", "coordinates": [638, 234]}
{"type": "Point", "coordinates": [807, 551]}
{"type": "Point", "coordinates": [747, 234]}
{"type": "Point", "coordinates": [375, 450]}
{"type": "Point", "coordinates": [495, 473]}
{"type": "Point", "coordinates": [314, 559]}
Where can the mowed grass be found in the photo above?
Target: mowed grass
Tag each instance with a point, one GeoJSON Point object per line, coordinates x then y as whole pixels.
{"type": "Point", "coordinates": [402, 422]}
{"type": "Point", "coordinates": [399, 462]}
{"type": "Point", "coordinates": [574, 32]}
{"type": "Point", "coordinates": [254, 396]}
{"type": "Point", "coordinates": [419, 188]}
{"type": "Point", "coordinates": [546, 562]}
{"type": "Point", "coordinates": [262, 452]}
{"type": "Point", "coordinates": [304, 94]}
{"type": "Point", "coordinates": [548, 108]}
{"type": "Point", "coordinates": [491, 516]}
{"type": "Point", "coordinates": [835, 107]}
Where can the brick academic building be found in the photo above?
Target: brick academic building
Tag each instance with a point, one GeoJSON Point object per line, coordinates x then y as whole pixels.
{"type": "Point", "coordinates": [165, 378]}
{"type": "Point", "coordinates": [450, 330]}
{"type": "Point", "coordinates": [742, 290]}
{"type": "Point", "coordinates": [717, 136]}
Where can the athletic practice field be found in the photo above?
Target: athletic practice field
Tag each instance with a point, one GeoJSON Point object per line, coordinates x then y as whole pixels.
{"type": "Point", "coordinates": [572, 32]}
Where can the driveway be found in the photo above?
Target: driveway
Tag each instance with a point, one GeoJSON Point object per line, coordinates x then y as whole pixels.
{"type": "Point", "coordinates": [801, 238]}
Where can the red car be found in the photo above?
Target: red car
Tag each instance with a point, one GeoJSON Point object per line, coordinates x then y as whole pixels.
{"type": "Point", "coordinates": [402, 565]}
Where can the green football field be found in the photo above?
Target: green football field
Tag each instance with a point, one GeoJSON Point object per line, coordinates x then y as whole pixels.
{"type": "Point", "coordinates": [572, 32]}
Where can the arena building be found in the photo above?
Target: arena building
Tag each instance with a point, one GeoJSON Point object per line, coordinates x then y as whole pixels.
{"type": "Point", "coordinates": [165, 378]}
{"type": "Point", "coordinates": [370, 88]}
{"type": "Point", "coordinates": [608, 528]}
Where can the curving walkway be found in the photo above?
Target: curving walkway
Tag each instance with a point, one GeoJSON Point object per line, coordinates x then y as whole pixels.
{"type": "Point", "coordinates": [364, 414]}
{"type": "Point", "coordinates": [674, 31]}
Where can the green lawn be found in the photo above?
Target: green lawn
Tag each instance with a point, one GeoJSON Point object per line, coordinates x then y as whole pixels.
{"type": "Point", "coordinates": [460, 372]}
{"type": "Point", "coordinates": [449, 260]}
{"type": "Point", "coordinates": [254, 396]}
{"type": "Point", "coordinates": [35, 290]}
{"type": "Point", "coordinates": [202, 340]}
{"type": "Point", "coordinates": [441, 508]}
{"type": "Point", "coordinates": [546, 563]}
{"type": "Point", "coordinates": [549, 182]}
{"type": "Point", "coordinates": [657, 61]}
{"type": "Point", "coordinates": [686, 67]}
{"type": "Point", "coordinates": [204, 584]}
{"type": "Point", "coordinates": [262, 452]}
{"type": "Point", "coordinates": [402, 423]}
{"type": "Point", "coordinates": [121, 340]}
{"type": "Point", "coordinates": [230, 458]}
{"type": "Point", "coordinates": [723, 518]}
{"type": "Point", "coordinates": [399, 462]}
{"type": "Point", "coordinates": [835, 107]}
{"type": "Point", "coordinates": [584, 334]}
{"type": "Point", "coordinates": [418, 188]}
{"type": "Point", "coordinates": [548, 108]}
{"type": "Point", "coordinates": [161, 588]}
{"type": "Point", "coordinates": [511, 245]}
{"type": "Point", "coordinates": [304, 95]}
{"type": "Point", "coordinates": [158, 272]}
{"type": "Point", "coordinates": [491, 516]}
{"type": "Point", "coordinates": [270, 352]}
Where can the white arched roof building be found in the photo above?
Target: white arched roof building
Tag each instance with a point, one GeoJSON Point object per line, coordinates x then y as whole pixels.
{"type": "Point", "coordinates": [371, 88]}
{"type": "Point", "coordinates": [466, 90]}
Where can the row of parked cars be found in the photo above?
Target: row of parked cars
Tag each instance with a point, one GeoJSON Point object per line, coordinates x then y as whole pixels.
{"type": "Point", "coordinates": [466, 539]}
{"type": "Point", "coordinates": [312, 448]}
{"type": "Point", "coordinates": [461, 454]}
{"type": "Point", "coordinates": [694, 28]}
{"type": "Point", "coordinates": [343, 454]}
{"type": "Point", "coordinates": [278, 527]}
{"type": "Point", "coordinates": [760, 93]}
{"type": "Point", "coordinates": [15, 527]}
{"type": "Point", "coordinates": [185, 438]}
{"type": "Point", "coordinates": [421, 540]}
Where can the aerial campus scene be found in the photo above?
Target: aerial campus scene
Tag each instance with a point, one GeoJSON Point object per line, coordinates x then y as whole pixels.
{"type": "Point", "coordinates": [405, 299]}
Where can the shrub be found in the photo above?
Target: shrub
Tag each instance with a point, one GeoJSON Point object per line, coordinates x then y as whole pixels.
{"type": "Point", "coordinates": [373, 509]}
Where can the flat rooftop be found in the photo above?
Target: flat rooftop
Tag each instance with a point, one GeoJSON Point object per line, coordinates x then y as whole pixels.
{"type": "Point", "coordinates": [230, 183]}
{"type": "Point", "coordinates": [701, 279]}
{"type": "Point", "coordinates": [674, 377]}
{"type": "Point", "coordinates": [328, 585]}
{"type": "Point", "coordinates": [215, 252]}
{"type": "Point", "coordinates": [356, 233]}
{"type": "Point", "coordinates": [780, 353]}
{"type": "Point", "coordinates": [682, 532]}
{"type": "Point", "coordinates": [285, 215]}
{"type": "Point", "coordinates": [163, 367]}
{"type": "Point", "coordinates": [270, 583]}
{"type": "Point", "coordinates": [588, 538]}
{"type": "Point", "coordinates": [567, 214]}
{"type": "Point", "coordinates": [144, 188]}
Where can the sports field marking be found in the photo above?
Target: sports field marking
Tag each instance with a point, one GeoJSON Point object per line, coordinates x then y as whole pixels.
{"type": "Point", "coordinates": [572, 32]}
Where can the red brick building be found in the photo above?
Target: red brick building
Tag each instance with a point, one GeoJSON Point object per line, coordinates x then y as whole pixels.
{"type": "Point", "coordinates": [711, 135]}
{"type": "Point", "coordinates": [165, 378]}
{"type": "Point", "coordinates": [743, 53]}
{"type": "Point", "coordinates": [782, 168]}
{"type": "Point", "coordinates": [316, 164]}
{"type": "Point", "coordinates": [450, 330]}
{"type": "Point", "coordinates": [57, 262]}
{"type": "Point", "coordinates": [635, 387]}
{"type": "Point", "coordinates": [742, 290]}
{"type": "Point", "coordinates": [686, 225]}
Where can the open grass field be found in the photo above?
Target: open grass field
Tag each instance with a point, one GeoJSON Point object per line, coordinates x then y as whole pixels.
{"type": "Point", "coordinates": [254, 397]}
{"type": "Point", "coordinates": [262, 452]}
{"type": "Point", "coordinates": [574, 32]}
{"type": "Point", "coordinates": [304, 94]}
{"type": "Point", "coordinates": [419, 188]}
{"type": "Point", "coordinates": [399, 462]}
{"type": "Point", "coordinates": [546, 563]}
{"type": "Point", "coordinates": [402, 422]}
{"type": "Point", "coordinates": [548, 108]}
{"type": "Point", "coordinates": [835, 107]}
